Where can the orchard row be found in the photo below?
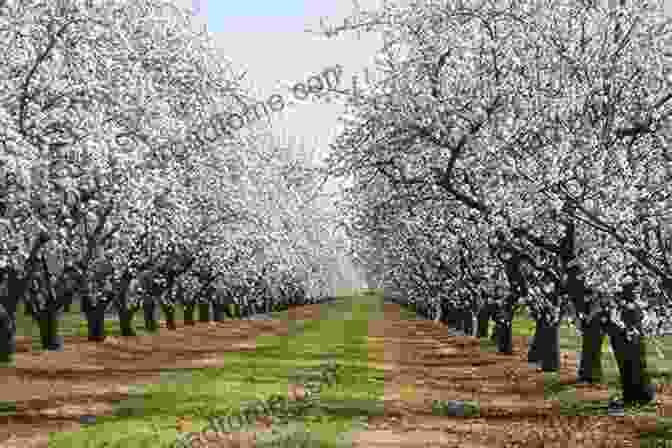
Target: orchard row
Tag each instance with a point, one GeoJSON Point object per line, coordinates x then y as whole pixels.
{"type": "Point", "coordinates": [518, 154]}
{"type": "Point", "coordinates": [94, 208]}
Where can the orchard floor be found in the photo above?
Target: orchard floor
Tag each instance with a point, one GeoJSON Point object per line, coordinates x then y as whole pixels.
{"type": "Point", "coordinates": [421, 363]}
{"type": "Point", "coordinates": [51, 390]}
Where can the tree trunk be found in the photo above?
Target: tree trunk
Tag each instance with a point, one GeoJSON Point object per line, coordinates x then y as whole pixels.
{"type": "Point", "coordinates": [504, 329]}
{"type": "Point", "coordinates": [204, 312]}
{"type": "Point", "coordinates": [483, 322]}
{"type": "Point", "coordinates": [149, 314]}
{"type": "Point", "coordinates": [48, 324]}
{"type": "Point", "coordinates": [189, 309]}
{"type": "Point", "coordinates": [67, 304]}
{"type": "Point", "coordinates": [444, 314]}
{"type": "Point", "coordinates": [27, 308]}
{"type": "Point", "coordinates": [126, 322]}
{"type": "Point", "coordinates": [504, 337]}
{"type": "Point", "coordinates": [169, 313]}
{"type": "Point", "coordinates": [219, 310]}
{"type": "Point", "coordinates": [459, 321]}
{"type": "Point", "coordinates": [449, 316]}
{"type": "Point", "coordinates": [468, 322]}
{"type": "Point", "coordinates": [95, 319]}
{"type": "Point", "coordinates": [84, 304]}
{"type": "Point", "coordinates": [7, 335]}
{"type": "Point", "coordinates": [545, 347]}
{"type": "Point", "coordinates": [590, 366]}
{"type": "Point", "coordinates": [631, 359]}
{"type": "Point", "coordinates": [533, 354]}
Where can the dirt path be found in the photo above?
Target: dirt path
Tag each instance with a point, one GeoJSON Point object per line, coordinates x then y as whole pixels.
{"type": "Point", "coordinates": [423, 364]}
{"type": "Point", "coordinates": [53, 389]}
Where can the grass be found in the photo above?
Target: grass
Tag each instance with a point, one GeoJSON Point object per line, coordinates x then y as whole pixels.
{"type": "Point", "coordinates": [148, 418]}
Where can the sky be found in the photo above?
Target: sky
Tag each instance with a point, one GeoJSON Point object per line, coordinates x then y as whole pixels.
{"type": "Point", "coordinates": [267, 38]}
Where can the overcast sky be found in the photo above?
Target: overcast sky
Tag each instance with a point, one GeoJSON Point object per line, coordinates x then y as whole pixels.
{"type": "Point", "coordinates": [266, 38]}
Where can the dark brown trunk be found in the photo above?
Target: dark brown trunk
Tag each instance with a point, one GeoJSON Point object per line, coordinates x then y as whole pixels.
{"type": "Point", "coordinates": [204, 312]}
{"type": "Point", "coordinates": [545, 346]}
{"type": "Point", "coordinates": [458, 320]}
{"type": "Point", "coordinates": [631, 360]}
{"type": "Point", "coordinates": [189, 309]}
{"type": "Point", "coordinates": [504, 337]}
{"type": "Point", "coordinates": [590, 364]}
{"type": "Point", "coordinates": [504, 330]}
{"type": "Point", "coordinates": [218, 312]}
{"type": "Point", "coordinates": [48, 324]}
{"type": "Point", "coordinates": [533, 354]}
{"type": "Point", "coordinates": [85, 304]}
{"type": "Point", "coordinates": [169, 314]}
{"type": "Point", "coordinates": [483, 322]}
{"type": "Point", "coordinates": [95, 319]}
{"type": "Point", "coordinates": [126, 322]}
{"type": "Point", "coordinates": [67, 303]}
{"type": "Point", "coordinates": [149, 312]}
{"type": "Point", "coordinates": [16, 288]}
{"type": "Point", "coordinates": [244, 310]}
{"type": "Point", "coordinates": [7, 335]}
{"type": "Point", "coordinates": [27, 308]}
{"type": "Point", "coordinates": [468, 322]}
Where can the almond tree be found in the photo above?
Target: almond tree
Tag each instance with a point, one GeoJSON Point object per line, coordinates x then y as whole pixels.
{"type": "Point", "coordinates": [515, 111]}
{"type": "Point", "coordinates": [88, 84]}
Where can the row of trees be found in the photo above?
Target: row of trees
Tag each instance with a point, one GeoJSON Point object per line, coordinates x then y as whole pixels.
{"type": "Point", "coordinates": [113, 190]}
{"type": "Point", "coordinates": [517, 153]}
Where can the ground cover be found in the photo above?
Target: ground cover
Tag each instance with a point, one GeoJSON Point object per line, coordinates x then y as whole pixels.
{"type": "Point", "coordinates": [245, 360]}
{"type": "Point", "coordinates": [398, 381]}
{"type": "Point", "coordinates": [518, 405]}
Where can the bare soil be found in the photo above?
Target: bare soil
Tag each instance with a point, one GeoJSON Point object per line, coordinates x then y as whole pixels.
{"type": "Point", "coordinates": [421, 362]}
{"type": "Point", "coordinates": [53, 389]}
